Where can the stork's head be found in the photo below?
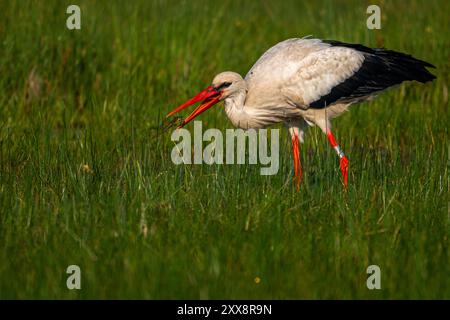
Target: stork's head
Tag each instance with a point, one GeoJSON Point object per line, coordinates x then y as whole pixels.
{"type": "Point", "coordinates": [224, 85]}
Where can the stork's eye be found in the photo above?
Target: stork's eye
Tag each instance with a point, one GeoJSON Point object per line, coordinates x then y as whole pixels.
{"type": "Point", "coordinates": [224, 85]}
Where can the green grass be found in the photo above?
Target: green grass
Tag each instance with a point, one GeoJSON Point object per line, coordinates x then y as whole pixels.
{"type": "Point", "coordinates": [84, 180]}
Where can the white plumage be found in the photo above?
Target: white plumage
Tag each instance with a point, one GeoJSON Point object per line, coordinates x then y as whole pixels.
{"type": "Point", "coordinates": [305, 71]}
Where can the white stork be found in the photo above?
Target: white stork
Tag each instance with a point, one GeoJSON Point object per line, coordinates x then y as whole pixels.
{"type": "Point", "coordinates": [304, 82]}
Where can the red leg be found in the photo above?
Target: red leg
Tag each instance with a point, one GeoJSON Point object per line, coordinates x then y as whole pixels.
{"type": "Point", "coordinates": [344, 163]}
{"type": "Point", "coordinates": [297, 164]}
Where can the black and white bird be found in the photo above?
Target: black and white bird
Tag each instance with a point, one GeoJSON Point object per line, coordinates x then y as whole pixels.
{"type": "Point", "coordinates": [305, 82]}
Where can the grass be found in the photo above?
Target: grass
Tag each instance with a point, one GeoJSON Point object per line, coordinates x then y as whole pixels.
{"type": "Point", "coordinates": [84, 180]}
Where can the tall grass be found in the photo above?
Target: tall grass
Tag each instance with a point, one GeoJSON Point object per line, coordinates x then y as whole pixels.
{"type": "Point", "coordinates": [84, 180]}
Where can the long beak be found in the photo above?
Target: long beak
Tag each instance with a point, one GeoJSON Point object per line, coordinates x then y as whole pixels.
{"type": "Point", "coordinates": [210, 97]}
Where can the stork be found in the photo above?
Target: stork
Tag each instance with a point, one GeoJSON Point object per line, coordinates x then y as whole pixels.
{"type": "Point", "coordinates": [303, 82]}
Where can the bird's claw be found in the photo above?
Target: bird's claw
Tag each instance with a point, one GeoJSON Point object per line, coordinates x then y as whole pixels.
{"type": "Point", "coordinates": [297, 181]}
{"type": "Point", "coordinates": [297, 163]}
{"type": "Point", "coordinates": [344, 170]}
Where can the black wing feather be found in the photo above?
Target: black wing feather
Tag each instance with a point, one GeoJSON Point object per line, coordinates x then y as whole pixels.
{"type": "Point", "coordinates": [380, 70]}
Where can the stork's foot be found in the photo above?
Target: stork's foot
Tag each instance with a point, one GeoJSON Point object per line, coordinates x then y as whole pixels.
{"type": "Point", "coordinates": [298, 180]}
{"type": "Point", "coordinates": [297, 164]}
{"type": "Point", "coordinates": [344, 170]}
{"type": "Point", "coordinates": [343, 158]}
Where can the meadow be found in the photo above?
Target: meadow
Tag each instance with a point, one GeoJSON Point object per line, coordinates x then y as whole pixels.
{"type": "Point", "coordinates": [86, 176]}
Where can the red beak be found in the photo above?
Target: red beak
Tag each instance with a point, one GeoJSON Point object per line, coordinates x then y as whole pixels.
{"type": "Point", "coordinates": [210, 97]}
